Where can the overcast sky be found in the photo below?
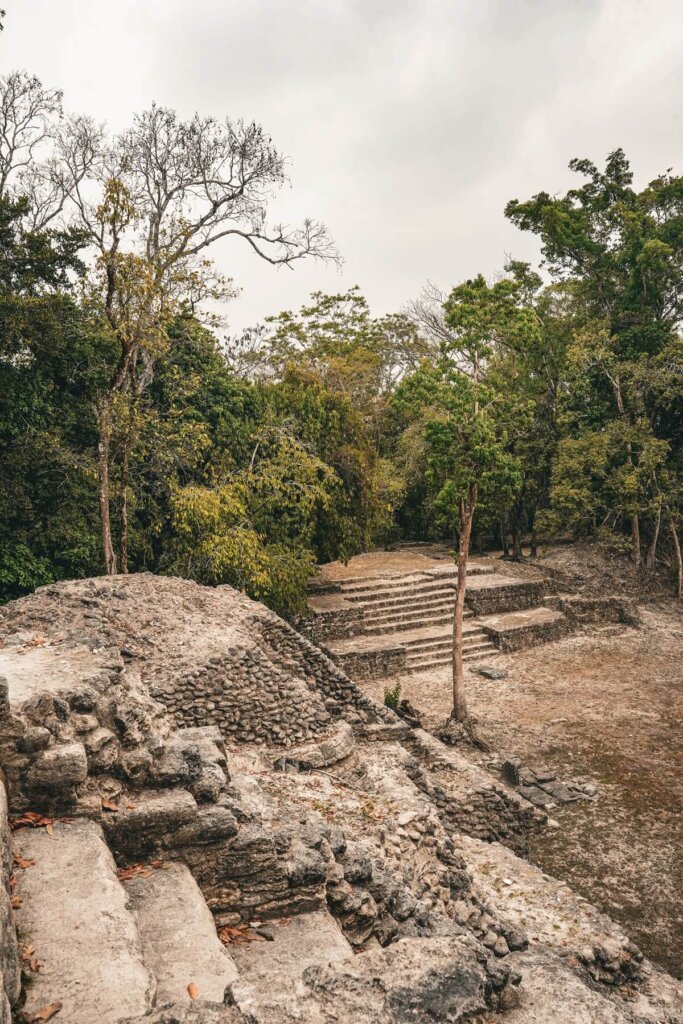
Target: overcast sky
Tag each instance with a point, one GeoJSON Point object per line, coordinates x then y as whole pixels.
{"type": "Point", "coordinates": [408, 123]}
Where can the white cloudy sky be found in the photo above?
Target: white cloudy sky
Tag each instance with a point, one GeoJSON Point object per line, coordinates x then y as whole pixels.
{"type": "Point", "coordinates": [409, 123]}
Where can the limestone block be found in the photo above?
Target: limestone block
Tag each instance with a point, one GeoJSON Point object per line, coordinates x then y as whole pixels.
{"type": "Point", "coordinates": [60, 767]}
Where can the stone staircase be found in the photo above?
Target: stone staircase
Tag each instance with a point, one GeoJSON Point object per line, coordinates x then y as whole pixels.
{"type": "Point", "coordinates": [416, 611]}
{"type": "Point", "coordinates": [418, 601]}
{"type": "Point", "coordinates": [431, 650]}
{"type": "Point", "coordinates": [110, 947]}
{"type": "Point", "coordinates": [401, 623]}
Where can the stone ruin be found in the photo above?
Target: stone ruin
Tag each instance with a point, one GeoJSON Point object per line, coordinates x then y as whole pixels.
{"type": "Point", "coordinates": [385, 615]}
{"type": "Point", "coordinates": [205, 821]}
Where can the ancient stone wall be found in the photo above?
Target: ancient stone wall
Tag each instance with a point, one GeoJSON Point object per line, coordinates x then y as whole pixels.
{"type": "Point", "coordinates": [10, 979]}
{"type": "Point", "coordinates": [341, 696]}
{"type": "Point", "coordinates": [467, 800]}
{"type": "Point", "coordinates": [331, 618]}
{"type": "Point", "coordinates": [518, 595]}
{"type": "Point", "coordinates": [373, 663]}
{"type": "Point", "coordinates": [249, 696]}
{"type": "Point", "coordinates": [598, 610]}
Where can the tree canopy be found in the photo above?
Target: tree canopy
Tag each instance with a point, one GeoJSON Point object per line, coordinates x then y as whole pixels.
{"type": "Point", "coordinates": [537, 403]}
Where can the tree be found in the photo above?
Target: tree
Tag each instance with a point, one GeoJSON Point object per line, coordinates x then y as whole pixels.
{"type": "Point", "coordinates": [464, 434]}
{"type": "Point", "coordinates": [254, 529]}
{"type": "Point", "coordinates": [50, 366]}
{"type": "Point", "coordinates": [622, 253]}
{"type": "Point", "coordinates": [332, 368]}
{"type": "Point", "coordinates": [150, 202]}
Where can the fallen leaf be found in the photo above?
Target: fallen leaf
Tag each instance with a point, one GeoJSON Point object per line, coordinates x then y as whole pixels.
{"type": "Point", "coordinates": [48, 829]}
{"type": "Point", "coordinates": [22, 862]}
{"type": "Point", "coordinates": [238, 936]}
{"type": "Point", "coordinates": [48, 1012]}
{"type": "Point", "coordinates": [125, 874]}
{"type": "Point", "coordinates": [109, 805]}
{"type": "Point", "coordinates": [192, 990]}
{"type": "Point", "coordinates": [34, 965]}
{"type": "Point", "coordinates": [16, 902]}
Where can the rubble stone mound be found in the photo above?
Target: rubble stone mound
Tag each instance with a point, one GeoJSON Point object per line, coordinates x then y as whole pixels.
{"type": "Point", "coordinates": [203, 821]}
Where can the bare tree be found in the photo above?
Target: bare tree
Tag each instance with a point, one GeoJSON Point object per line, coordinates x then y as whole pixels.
{"type": "Point", "coordinates": [150, 202]}
{"type": "Point", "coordinates": [427, 312]}
{"type": "Point", "coordinates": [29, 114]}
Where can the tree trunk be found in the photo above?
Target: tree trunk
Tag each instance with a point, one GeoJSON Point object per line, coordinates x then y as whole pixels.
{"type": "Point", "coordinates": [504, 536]}
{"type": "Point", "coordinates": [103, 468]}
{"type": "Point", "coordinates": [467, 508]}
{"type": "Point", "coordinates": [651, 554]}
{"type": "Point", "coordinates": [679, 560]}
{"type": "Point", "coordinates": [635, 539]}
{"type": "Point", "coordinates": [517, 541]}
{"type": "Point", "coordinates": [123, 541]}
{"type": "Point", "coordinates": [125, 472]}
{"type": "Point", "coordinates": [635, 522]}
{"type": "Point", "coordinates": [533, 550]}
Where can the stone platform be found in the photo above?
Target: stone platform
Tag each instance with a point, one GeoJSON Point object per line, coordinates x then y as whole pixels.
{"type": "Point", "coordinates": [387, 614]}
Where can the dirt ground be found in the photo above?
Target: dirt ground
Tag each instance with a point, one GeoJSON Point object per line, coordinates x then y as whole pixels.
{"type": "Point", "coordinates": [603, 706]}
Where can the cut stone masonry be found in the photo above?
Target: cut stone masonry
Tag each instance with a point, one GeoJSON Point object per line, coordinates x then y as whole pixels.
{"type": "Point", "coordinates": [379, 623]}
{"type": "Point", "coordinates": [210, 818]}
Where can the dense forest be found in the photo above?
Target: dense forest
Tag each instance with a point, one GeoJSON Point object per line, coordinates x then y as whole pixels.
{"type": "Point", "coordinates": [137, 434]}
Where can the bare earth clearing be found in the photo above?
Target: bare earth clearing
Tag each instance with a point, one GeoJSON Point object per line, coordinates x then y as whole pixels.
{"type": "Point", "coordinates": [604, 707]}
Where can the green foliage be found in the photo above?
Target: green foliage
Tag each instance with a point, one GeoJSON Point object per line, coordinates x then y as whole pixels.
{"type": "Point", "coordinates": [328, 431]}
{"type": "Point", "coordinates": [392, 696]}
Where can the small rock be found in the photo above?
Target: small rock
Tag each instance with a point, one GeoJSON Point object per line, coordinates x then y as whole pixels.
{"type": "Point", "coordinates": [510, 770]}
{"type": "Point", "coordinates": [34, 739]}
{"type": "Point", "coordinates": [491, 673]}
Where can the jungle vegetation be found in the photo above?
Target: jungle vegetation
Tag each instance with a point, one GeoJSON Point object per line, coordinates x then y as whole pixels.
{"type": "Point", "coordinates": [136, 436]}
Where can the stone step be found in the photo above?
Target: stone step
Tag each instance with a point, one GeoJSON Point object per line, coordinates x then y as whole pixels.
{"type": "Point", "coordinates": [359, 584]}
{"type": "Point", "coordinates": [439, 662]}
{"type": "Point", "coordinates": [410, 609]}
{"type": "Point", "coordinates": [444, 641]}
{"type": "Point", "coordinates": [398, 627]}
{"type": "Point", "coordinates": [75, 914]}
{"type": "Point", "coordinates": [398, 595]}
{"type": "Point", "coordinates": [412, 657]}
{"type": "Point", "coordinates": [409, 613]}
{"type": "Point", "coordinates": [389, 583]}
{"type": "Point", "coordinates": [404, 599]}
{"type": "Point", "coordinates": [398, 608]}
{"type": "Point", "coordinates": [179, 941]}
{"type": "Point", "coordinates": [379, 591]}
{"type": "Point", "coordinates": [307, 940]}
{"type": "Point", "coordinates": [432, 654]}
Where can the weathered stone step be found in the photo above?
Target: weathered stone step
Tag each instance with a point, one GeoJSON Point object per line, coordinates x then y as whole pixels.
{"type": "Point", "coordinates": [414, 608]}
{"type": "Point", "coordinates": [414, 598]}
{"type": "Point", "coordinates": [409, 613]}
{"type": "Point", "coordinates": [179, 941]}
{"type": "Point", "coordinates": [444, 642]}
{"type": "Point", "coordinates": [361, 585]}
{"type": "Point", "coordinates": [358, 584]}
{"type": "Point", "coordinates": [308, 940]}
{"type": "Point", "coordinates": [74, 913]}
{"type": "Point", "coordinates": [379, 593]}
{"type": "Point", "coordinates": [397, 627]}
{"type": "Point", "coordinates": [513, 631]}
{"type": "Point", "coordinates": [444, 657]}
